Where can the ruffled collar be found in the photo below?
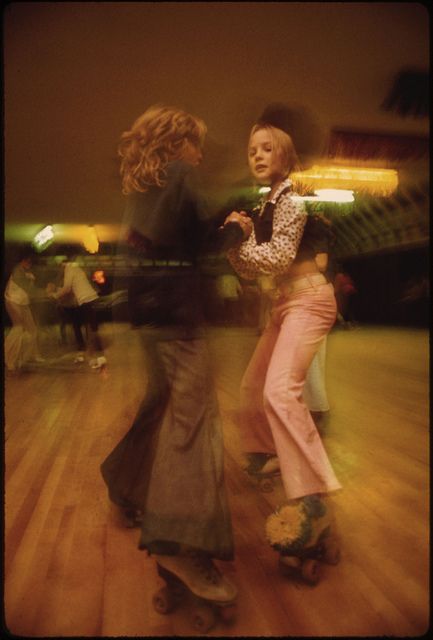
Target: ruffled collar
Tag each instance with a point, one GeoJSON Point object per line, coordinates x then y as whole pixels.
{"type": "Point", "coordinates": [287, 183]}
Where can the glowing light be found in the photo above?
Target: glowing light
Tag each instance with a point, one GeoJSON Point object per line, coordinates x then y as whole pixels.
{"type": "Point", "coordinates": [334, 195]}
{"type": "Point", "coordinates": [99, 277]}
{"type": "Point", "coordinates": [322, 195]}
{"type": "Point", "coordinates": [380, 182]}
{"type": "Point", "coordinates": [43, 238]}
{"type": "Point", "coordinates": [328, 195]}
{"type": "Point", "coordinates": [90, 240]}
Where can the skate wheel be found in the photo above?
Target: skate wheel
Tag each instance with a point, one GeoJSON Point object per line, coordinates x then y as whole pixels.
{"type": "Point", "coordinates": [228, 613]}
{"type": "Point", "coordinates": [331, 551]}
{"type": "Point", "coordinates": [203, 618]}
{"type": "Point", "coordinates": [310, 571]}
{"type": "Point", "coordinates": [163, 601]}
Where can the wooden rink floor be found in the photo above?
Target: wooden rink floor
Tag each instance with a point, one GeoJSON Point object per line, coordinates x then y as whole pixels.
{"type": "Point", "coordinates": [71, 568]}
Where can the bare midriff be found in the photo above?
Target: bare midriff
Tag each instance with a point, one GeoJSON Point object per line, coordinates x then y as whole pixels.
{"type": "Point", "coordinates": [301, 267]}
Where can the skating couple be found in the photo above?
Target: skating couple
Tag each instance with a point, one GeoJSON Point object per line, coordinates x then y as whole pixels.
{"type": "Point", "coordinates": [168, 468]}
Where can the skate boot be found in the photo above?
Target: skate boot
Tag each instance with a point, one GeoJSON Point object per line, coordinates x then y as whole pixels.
{"type": "Point", "coordinates": [303, 533]}
{"type": "Point", "coordinates": [99, 364]}
{"type": "Point", "coordinates": [195, 579]}
{"type": "Point", "coordinates": [263, 468]}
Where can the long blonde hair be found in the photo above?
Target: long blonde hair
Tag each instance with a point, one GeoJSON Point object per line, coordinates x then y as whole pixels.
{"type": "Point", "coordinates": [157, 137]}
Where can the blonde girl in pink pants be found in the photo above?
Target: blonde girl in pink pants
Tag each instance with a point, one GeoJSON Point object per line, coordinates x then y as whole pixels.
{"type": "Point", "coordinates": [277, 427]}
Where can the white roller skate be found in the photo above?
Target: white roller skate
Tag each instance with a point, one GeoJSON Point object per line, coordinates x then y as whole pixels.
{"type": "Point", "coordinates": [98, 364]}
{"type": "Point", "coordinates": [303, 533]}
{"type": "Point", "coordinates": [195, 579]}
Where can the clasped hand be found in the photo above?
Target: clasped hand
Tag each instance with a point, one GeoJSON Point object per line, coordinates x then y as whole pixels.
{"type": "Point", "coordinates": [243, 220]}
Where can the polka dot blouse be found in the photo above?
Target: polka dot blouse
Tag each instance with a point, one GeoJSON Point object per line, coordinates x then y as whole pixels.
{"type": "Point", "coordinates": [275, 257]}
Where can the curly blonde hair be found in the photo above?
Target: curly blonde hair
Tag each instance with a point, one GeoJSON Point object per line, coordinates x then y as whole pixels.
{"type": "Point", "coordinates": [157, 137]}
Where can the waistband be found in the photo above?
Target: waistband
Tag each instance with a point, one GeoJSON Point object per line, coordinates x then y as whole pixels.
{"type": "Point", "coordinates": [309, 281]}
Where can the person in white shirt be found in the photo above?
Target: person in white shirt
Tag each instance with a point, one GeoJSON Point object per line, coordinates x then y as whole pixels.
{"type": "Point", "coordinates": [21, 343]}
{"type": "Point", "coordinates": [76, 281]}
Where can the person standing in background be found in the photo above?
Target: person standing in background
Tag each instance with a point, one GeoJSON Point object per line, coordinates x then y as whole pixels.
{"type": "Point", "coordinates": [315, 394]}
{"type": "Point", "coordinates": [345, 291]}
{"type": "Point", "coordinates": [69, 313]}
{"type": "Point", "coordinates": [21, 343]}
{"type": "Point", "coordinates": [229, 293]}
{"type": "Point", "coordinates": [75, 281]}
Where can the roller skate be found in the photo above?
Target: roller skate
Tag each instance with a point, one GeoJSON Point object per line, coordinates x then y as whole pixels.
{"type": "Point", "coordinates": [263, 468]}
{"type": "Point", "coordinates": [98, 364]}
{"type": "Point", "coordinates": [303, 534]}
{"type": "Point", "coordinates": [194, 580]}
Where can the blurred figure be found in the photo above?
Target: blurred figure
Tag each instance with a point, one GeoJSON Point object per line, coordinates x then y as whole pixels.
{"type": "Point", "coordinates": [229, 292]}
{"type": "Point", "coordinates": [416, 289]}
{"type": "Point", "coordinates": [314, 394]}
{"type": "Point", "coordinates": [345, 290]}
{"type": "Point", "coordinates": [76, 282]}
{"type": "Point", "coordinates": [251, 304]}
{"type": "Point", "coordinates": [166, 474]}
{"type": "Point", "coordinates": [414, 302]}
{"type": "Point", "coordinates": [69, 313]}
{"type": "Point", "coordinates": [21, 343]}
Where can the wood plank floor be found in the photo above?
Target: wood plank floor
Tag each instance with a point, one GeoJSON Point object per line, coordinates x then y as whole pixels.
{"type": "Point", "coordinates": [73, 569]}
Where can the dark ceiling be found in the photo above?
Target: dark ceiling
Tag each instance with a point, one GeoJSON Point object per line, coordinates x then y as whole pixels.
{"type": "Point", "coordinates": [77, 74]}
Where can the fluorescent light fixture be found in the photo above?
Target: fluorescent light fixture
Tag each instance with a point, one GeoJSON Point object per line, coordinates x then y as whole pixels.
{"type": "Point", "coordinates": [322, 195]}
{"type": "Point", "coordinates": [379, 182]}
{"type": "Point", "coordinates": [338, 196]}
{"type": "Point", "coordinates": [334, 195]}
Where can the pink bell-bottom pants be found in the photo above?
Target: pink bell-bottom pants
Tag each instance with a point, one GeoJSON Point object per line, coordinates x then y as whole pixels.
{"type": "Point", "coordinates": [274, 417]}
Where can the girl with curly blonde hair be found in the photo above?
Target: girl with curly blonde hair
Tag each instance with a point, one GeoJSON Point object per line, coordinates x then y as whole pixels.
{"type": "Point", "coordinates": [158, 136]}
{"type": "Point", "coordinates": [167, 471]}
